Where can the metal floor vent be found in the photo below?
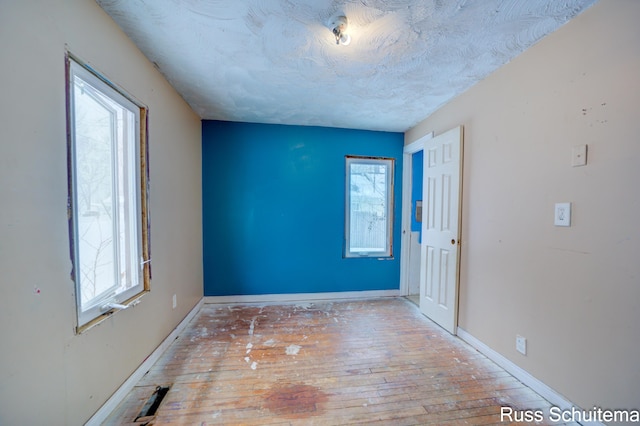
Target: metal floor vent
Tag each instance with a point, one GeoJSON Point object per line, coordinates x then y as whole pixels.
{"type": "Point", "coordinates": [151, 406]}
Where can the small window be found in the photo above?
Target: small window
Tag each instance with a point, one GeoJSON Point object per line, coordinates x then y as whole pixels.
{"type": "Point", "coordinates": [107, 195]}
{"type": "Point", "coordinates": [369, 207]}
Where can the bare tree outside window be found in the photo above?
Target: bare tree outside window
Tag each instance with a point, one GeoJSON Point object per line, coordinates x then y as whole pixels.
{"type": "Point", "coordinates": [106, 200]}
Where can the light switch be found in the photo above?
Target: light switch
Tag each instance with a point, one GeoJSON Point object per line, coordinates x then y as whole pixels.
{"type": "Point", "coordinates": [563, 214]}
{"type": "Point", "coordinates": [579, 155]}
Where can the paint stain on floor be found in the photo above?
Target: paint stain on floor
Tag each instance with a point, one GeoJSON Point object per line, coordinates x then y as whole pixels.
{"type": "Point", "coordinates": [295, 401]}
{"type": "Point", "coordinates": [293, 349]}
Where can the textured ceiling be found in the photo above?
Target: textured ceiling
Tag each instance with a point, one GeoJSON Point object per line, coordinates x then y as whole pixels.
{"type": "Point", "coordinates": [276, 61]}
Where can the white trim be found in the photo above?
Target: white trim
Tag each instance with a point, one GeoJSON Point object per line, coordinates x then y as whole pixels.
{"type": "Point", "coordinates": [405, 241]}
{"type": "Point", "coordinates": [301, 297]}
{"type": "Point", "coordinates": [112, 403]}
{"type": "Point", "coordinates": [407, 171]}
{"type": "Point", "coordinates": [536, 385]}
{"type": "Point", "coordinates": [119, 105]}
{"type": "Point", "coordinates": [366, 251]}
{"type": "Point", "coordinates": [418, 144]}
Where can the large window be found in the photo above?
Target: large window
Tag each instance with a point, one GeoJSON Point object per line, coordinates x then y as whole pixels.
{"type": "Point", "coordinates": [107, 201]}
{"type": "Point", "coordinates": [369, 207]}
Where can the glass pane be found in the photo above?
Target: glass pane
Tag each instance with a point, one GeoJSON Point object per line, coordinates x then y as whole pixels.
{"type": "Point", "coordinates": [94, 134]}
{"type": "Point", "coordinates": [106, 187]}
{"type": "Point", "coordinates": [106, 195]}
{"type": "Point", "coordinates": [127, 201]}
{"type": "Point", "coordinates": [368, 208]}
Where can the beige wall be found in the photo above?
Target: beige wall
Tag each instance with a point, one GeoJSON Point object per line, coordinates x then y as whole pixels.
{"type": "Point", "coordinates": [49, 375]}
{"type": "Point", "coordinates": [574, 293]}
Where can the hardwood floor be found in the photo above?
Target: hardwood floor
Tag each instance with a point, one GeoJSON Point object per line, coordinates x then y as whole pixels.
{"type": "Point", "coordinates": [374, 362]}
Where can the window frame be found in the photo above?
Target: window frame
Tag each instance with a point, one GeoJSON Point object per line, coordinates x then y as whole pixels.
{"type": "Point", "coordinates": [97, 310]}
{"type": "Point", "coordinates": [389, 164]}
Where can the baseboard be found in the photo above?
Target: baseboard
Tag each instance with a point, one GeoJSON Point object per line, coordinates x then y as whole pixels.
{"type": "Point", "coordinates": [119, 395]}
{"type": "Point", "coordinates": [536, 385]}
{"type": "Point", "coordinates": [301, 297]}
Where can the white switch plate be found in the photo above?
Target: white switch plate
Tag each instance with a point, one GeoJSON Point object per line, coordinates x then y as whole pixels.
{"type": "Point", "coordinates": [562, 214]}
{"type": "Point", "coordinates": [521, 345]}
{"type": "Point", "coordinates": [175, 301]}
{"type": "Point", "coordinates": [579, 155]}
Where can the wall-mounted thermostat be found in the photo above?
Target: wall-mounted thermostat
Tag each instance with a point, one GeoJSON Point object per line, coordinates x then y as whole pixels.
{"type": "Point", "coordinates": [418, 211]}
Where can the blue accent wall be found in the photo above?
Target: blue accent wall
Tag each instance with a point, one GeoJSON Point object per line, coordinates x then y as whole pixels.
{"type": "Point", "coordinates": [416, 190]}
{"type": "Point", "coordinates": [274, 207]}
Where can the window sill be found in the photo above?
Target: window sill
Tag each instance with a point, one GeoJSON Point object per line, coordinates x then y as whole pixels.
{"type": "Point", "coordinates": [129, 303]}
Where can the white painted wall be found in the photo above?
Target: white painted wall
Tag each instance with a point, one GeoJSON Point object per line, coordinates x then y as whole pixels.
{"type": "Point", "coordinates": [49, 375]}
{"type": "Point", "coordinates": [572, 292]}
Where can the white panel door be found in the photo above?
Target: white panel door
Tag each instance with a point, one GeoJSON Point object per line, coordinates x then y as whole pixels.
{"type": "Point", "coordinates": [440, 249]}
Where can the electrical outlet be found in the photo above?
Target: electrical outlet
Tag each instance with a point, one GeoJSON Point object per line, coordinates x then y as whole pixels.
{"type": "Point", "coordinates": [562, 214]}
{"type": "Point", "coordinates": [175, 301]}
{"type": "Point", "coordinates": [521, 344]}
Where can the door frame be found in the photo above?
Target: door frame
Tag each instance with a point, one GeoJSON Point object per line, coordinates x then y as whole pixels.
{"type": "Point", "coordinates": [405, 242]}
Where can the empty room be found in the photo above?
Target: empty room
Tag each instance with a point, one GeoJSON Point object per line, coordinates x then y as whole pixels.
{"type": "Point", "coordinates": [319, 212]}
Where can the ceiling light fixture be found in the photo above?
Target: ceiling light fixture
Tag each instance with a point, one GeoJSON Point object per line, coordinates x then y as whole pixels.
{"type": "Point", "coordinates": [339, 26]}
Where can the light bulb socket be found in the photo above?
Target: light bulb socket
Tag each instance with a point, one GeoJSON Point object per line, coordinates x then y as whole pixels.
{"type": "Point", "coordinates": [339, 26]}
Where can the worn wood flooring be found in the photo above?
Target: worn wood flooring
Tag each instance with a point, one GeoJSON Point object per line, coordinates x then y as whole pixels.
{"type": "Point", "coordinates": [373, 362]}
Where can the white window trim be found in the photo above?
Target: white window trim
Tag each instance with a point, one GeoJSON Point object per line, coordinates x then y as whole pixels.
{"type": "Point", "coordinates": [389, 163]}
{"type": "Point", "coordinates": [106, 304]}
